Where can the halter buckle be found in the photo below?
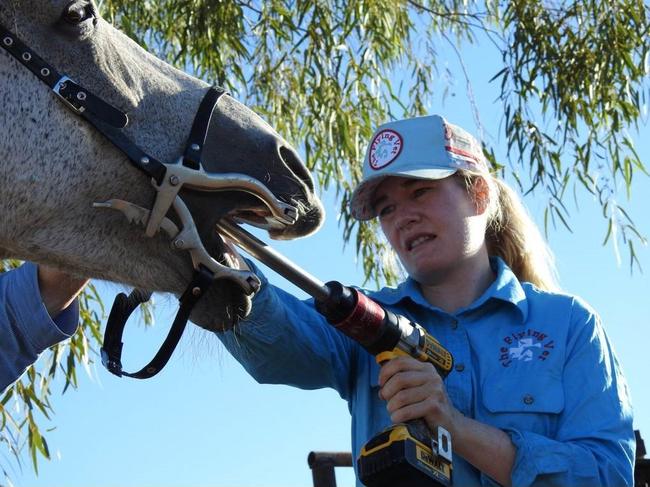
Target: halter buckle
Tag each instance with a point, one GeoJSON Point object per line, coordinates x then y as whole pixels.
{"type": "Point", "coordinates": [112, 365]}
{"type": "Point", "coordinates": [60, 86]}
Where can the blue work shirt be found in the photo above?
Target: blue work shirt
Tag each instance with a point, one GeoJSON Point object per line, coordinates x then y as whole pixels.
{"type": "Point", "coordinates": [535, 364]}
{"type": "Point", "coordinates": [26, 328]}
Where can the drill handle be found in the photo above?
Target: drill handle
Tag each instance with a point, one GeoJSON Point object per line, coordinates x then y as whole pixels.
{"type": "Point", "coordinates": [418, 427]}
{"type": "Point", "coordinates": [440, 439]}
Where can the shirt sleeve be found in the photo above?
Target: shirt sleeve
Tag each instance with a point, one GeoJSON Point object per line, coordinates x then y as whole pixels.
{"type": "Point", "coordinates": [594, 443]}
{"type": "Point", "coordinates": [26, 328]}
{"type": "Point", "coordinates": [286, 341]}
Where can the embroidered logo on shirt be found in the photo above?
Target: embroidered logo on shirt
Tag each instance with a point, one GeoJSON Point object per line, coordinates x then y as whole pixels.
{"type": "Point", "coordinates": [525, 346]}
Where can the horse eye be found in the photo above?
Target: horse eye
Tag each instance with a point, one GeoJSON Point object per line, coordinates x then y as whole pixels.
{"type": "Point", "coordinates": [76, 13]}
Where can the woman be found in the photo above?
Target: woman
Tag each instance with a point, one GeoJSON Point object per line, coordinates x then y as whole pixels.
{"type": "Point", "coordinates": [37, 310]}
{"type": "Point", "coordinates": [536, 396]}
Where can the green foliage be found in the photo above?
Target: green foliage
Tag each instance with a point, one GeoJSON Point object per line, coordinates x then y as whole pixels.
{"type": "Point", "coordinates": [582, 66]}
{"type": "Point", "coordinates": [325, 73]}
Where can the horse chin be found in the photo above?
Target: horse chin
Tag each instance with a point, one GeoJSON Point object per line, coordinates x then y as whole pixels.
{"type": "Point", "coordinates": [223, 307]}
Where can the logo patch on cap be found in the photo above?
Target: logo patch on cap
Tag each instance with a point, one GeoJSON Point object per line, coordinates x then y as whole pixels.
{"type": "Point", "coordinates": [384, 148]}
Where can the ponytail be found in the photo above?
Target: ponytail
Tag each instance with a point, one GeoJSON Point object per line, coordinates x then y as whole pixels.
{"type": "Point", "coordinates": [512, 235]}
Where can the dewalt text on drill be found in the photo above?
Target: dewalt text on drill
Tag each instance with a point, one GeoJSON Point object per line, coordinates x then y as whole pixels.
{"type": "Point", "coordinates": [404, 454]}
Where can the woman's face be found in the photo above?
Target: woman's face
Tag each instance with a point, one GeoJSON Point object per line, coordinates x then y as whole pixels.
{"type": "Point", "coordinates": [435, 227]}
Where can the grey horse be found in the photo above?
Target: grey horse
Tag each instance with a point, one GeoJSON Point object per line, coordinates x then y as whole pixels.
{"type": "Point", "coordinates": [54, 166]}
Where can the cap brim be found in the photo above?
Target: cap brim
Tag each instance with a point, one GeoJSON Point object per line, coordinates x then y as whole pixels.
{"type": "Point", "coordinates": [361, 202]}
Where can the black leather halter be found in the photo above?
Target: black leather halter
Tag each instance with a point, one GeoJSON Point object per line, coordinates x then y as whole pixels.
{"type": "Point", "coordinates": [110, 121]}
{"type": "Point", "coordinates": [103, 116]}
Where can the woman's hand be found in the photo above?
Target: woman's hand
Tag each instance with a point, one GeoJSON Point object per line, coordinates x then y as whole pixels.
{"type": "Point", "coordinates": [414, 390]}
{"type": "Point", "coordinates": [58, 289]}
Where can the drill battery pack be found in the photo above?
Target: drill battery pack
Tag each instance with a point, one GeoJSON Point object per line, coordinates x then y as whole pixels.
{"type": "Point", "coordinates": [397, 457]}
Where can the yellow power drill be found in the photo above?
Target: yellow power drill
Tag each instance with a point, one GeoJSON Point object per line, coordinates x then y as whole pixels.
{"type": "Point", "coordinates": [403, 455]}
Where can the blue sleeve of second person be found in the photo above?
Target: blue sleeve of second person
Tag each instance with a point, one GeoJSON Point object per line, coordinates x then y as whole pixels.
{"type": "Point", "coordinates": [26, 328]}
{"type": "Point", "coordinates": [286, 341]}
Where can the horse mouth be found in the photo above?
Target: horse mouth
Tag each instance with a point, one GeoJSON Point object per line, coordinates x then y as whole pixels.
{"type": "Point", "coordinates": [228, 253]}
{"type": "Point", "coordinates": [257, 217]}
{"type": "Point", "coordinates": [236, 301]}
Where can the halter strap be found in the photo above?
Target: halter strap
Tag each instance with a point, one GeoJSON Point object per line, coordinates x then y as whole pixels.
{"type": "Point", "coordinates": [107, 119]}
{"type": "Point", "coordinates": [124, 306]}
{"type": "Point", "coordinates": [72, 94]}
{"type": "Point", "coordinates": [199, 132]}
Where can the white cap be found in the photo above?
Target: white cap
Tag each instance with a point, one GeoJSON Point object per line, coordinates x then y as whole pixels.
{"type": "Point", "coordinates": [420, 148]}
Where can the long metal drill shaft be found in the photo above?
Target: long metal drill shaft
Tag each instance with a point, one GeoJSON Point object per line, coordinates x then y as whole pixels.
{"type": "Point", "coordinates": [276, 261]}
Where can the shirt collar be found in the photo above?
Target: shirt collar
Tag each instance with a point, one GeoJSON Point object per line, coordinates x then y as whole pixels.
{"type": "Point", "coordinates": [506, 287]}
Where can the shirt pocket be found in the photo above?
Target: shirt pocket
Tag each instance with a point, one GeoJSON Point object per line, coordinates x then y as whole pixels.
{"type": "Point", "coordinates": [530, 402]}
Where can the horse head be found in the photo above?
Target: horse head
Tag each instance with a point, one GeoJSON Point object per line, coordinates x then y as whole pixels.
{"type": "Point", "coordinates": [55, 165]}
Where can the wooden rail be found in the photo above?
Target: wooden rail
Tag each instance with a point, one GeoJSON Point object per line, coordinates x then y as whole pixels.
{"type": "Point", "coordinates": [322, 466]}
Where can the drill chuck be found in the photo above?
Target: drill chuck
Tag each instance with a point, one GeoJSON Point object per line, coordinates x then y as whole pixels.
{"type": "Point", "coordinates": [379, 330]}
{"type": "Point", "coordinates": [359, 317]}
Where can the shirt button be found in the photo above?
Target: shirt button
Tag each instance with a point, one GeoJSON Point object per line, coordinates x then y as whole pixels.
{"type": "Point", "coordinates": [528, 399]}
{"type": "Point", "coordinates": [454, 324]}
{"type": "Point", "coordinates": [460, 367]}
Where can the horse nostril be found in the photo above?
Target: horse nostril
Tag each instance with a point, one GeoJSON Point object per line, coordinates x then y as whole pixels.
{"type": "Point", "coordinates": [295, 164]}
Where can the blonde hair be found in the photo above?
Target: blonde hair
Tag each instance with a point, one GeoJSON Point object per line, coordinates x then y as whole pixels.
{"type": "Point", "coordinates": [512, 234]}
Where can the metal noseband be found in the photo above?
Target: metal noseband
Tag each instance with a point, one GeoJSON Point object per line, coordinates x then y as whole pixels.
{"type": "Point", "coordinates": [168, 179]}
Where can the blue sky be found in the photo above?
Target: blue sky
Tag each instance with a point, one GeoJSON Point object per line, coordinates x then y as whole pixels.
{"type": "Point", "coordinates": [204, 422]}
